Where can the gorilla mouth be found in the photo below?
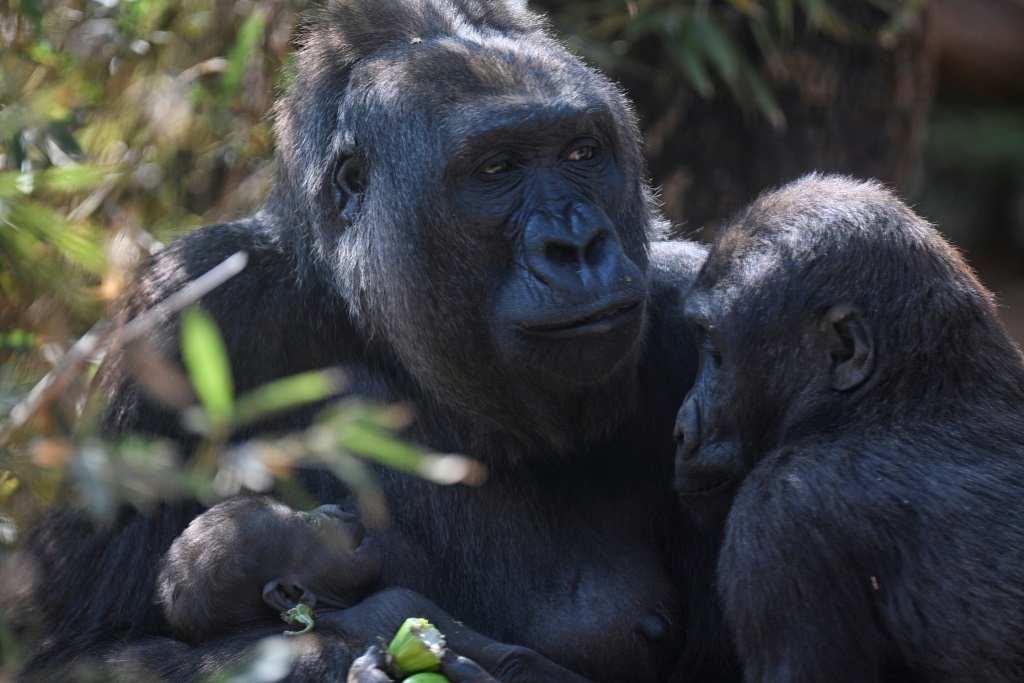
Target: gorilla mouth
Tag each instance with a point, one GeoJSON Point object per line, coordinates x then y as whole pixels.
{"type": "Point", "coordinates": [705, 488]}
{"type": "Point", "coordinates": [602, 320]}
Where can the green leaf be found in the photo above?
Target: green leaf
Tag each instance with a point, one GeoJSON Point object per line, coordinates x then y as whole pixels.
{"type": "Point", "coordinates": [784, 16]}
{"type": "Point", "coordinates": [50, 226]}
{"type": "Point", "coordinates": [17, 340]}
{"type": "Point", "coordinates": [656, 22]}
{"type": "Point", "coordinates": [372, 442]}
{"type": "Point", "coordinates": [206, 360]}
{"type": "Point", "coordinates": [74, 178]}
{"type": "Point", "coordinates": [684, 49]}
{"type": "Point", "coordinates": [763, 96]}
{"type": "Point", "coordinates": [288, 392]}
{"type": "Point", "coordinates": [814, 9]}
{"type": "Point", "coordinates": [241, 53]}
{"type": "Point", "coordinates": [822, 16]}
{"type": "Point", "coordinates": [719, 48]}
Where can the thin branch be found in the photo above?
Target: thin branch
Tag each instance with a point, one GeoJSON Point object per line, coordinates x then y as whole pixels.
{"type": "Point", "coordinates": [104, 332]}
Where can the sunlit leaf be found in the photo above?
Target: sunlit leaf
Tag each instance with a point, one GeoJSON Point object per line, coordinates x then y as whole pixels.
{"type": "Point", "coordinates": [241, 53]}
{"type": "Point", "coordinates": [379, 445]}
{"type": "Point", "coordinates": [206, 360]}
{"type": "Point", "coordinates": [17, 340]}
{"type": "Point", "coordinates": [284, 394]}
{"type": "Point", "coordinates": [50, 226]}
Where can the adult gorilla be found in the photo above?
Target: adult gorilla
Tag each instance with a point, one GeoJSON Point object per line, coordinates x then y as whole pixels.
{"type": "Point", "coordinates": [459, 219]}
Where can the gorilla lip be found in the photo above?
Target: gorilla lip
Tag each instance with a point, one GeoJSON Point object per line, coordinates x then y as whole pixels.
{"type": "Point", "coordinates": [603, 320]}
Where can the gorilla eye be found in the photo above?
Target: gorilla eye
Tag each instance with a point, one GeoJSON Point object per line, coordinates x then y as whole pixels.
{"type": "Point", "coordinates": [711, 349]}
{"type": "Point", "coordinates": [581, 153]}
{"type": "Point", "coordinates": [312, 520]}
{"type": "Point", "coordinates": [500, 165]}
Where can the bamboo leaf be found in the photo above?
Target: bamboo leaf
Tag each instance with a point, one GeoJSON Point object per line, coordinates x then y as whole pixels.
{"type": "Point", "coordinates": [784, 17]}
{"type": "Point", "coordinates": [763, 97]}
{"type": "Point", "coordinates": [17, 340]}
{"type": "Point", "coordinates": [685, 50]}
{"type": "Point", "coordinates": [50, 226]}
{"type": "Point", "coordinates": [286, 393]}
{"type": "Point", "coordinates": [78, 178]}
{"type": "Point", "coordinates": [379, 445]}
{"type": "Point", "coordinates": [206, 360]}
{"type": "Point", "coordinates": [719, 48]}
{"type": "Point", "coordinates": [241, 53]}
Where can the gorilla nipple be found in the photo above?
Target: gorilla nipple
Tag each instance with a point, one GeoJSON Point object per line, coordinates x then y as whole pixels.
{"type": "Point", "coordinates": [653, 627]}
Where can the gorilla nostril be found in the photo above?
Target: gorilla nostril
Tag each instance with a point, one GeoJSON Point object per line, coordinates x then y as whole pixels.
{"type": "Point", "coordinates": [596, 247]}
{"type": "Point", "coordinates": [653, 627]}
{"type": "Point", "coordinates": [687, 431]}
{"type": "Point", "coordinates": [561, 252]}
{"type": "Point", "coordinates": [679, 433]}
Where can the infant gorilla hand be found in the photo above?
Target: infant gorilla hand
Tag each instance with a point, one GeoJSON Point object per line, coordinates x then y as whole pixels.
{"type": "Point", "coordinates": [372, 667]}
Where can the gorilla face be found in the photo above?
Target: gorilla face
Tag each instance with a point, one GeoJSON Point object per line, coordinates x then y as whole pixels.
{"type": "Point", "coordinates": [567, 291]}
{"type": "Point", "coordinates": [502, 227]}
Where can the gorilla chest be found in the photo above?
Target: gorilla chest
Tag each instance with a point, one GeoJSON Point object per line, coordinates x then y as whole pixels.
{"type": "Point", "coordinates": [576, 574]}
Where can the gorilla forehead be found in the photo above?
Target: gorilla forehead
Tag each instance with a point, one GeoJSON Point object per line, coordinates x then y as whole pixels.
{"type": "Point", "coordinates": [458, 86]}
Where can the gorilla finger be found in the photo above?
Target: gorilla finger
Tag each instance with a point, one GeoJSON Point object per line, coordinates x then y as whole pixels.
{"type": "Point", "coordinates": [459, 669]}
{"type": "Point", "coordinates": [368, 668]}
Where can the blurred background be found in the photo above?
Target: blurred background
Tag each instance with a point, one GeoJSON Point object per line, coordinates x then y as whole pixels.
{"type": "Point", "coordinates": [124, 123]}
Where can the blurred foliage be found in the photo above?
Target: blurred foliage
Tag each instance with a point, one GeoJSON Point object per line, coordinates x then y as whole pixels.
{"type": "Point", "coordinates": [706, 41]}
{"type": "Point", "coordinates": [121, 124]}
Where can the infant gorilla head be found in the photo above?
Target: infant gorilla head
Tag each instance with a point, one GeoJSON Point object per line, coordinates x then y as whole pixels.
{"type": "Point", "coordinates": [248, 559]}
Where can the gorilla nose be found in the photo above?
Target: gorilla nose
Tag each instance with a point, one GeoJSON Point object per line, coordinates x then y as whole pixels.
{"type": "Point", "coordinates": [582, 249]}
{"type": "Point", "coordinates": [585, 250]}
{"type": "Point", "coordinates": [687, 431]}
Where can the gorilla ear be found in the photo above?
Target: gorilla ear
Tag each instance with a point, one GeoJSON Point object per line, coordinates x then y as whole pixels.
{"type": "Point", "coordinates": [349, 185]}
{"type": "Point", "coordinates": [283, 594]}
{"type": "Point", "coordinates": [850, 347]}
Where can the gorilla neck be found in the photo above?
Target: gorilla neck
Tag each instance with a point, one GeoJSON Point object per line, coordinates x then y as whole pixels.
{"type": "Point", "coordinates": [501, 418]}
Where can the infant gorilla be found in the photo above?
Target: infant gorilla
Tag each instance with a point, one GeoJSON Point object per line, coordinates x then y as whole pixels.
{"type": "Point", "coordinates": [252, 559]}
{"type": "Point", "coordinates": [859, 395]}
{"type": "Point", "coordinates": [249, 559]}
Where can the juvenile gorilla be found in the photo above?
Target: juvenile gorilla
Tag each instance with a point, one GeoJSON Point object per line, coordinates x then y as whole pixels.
{"type": "Point", "coordinates": [459, 219]}
{"type": "Point", "coordinates": [858, 388]}
{"type": "Point", "coordinates": [253, 559]}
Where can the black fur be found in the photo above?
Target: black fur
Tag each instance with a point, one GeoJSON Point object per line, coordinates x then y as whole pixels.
{"type": "Point", "coordinates": [454, 191]}
{"type": "Point", "coordinates": [855, 373]}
